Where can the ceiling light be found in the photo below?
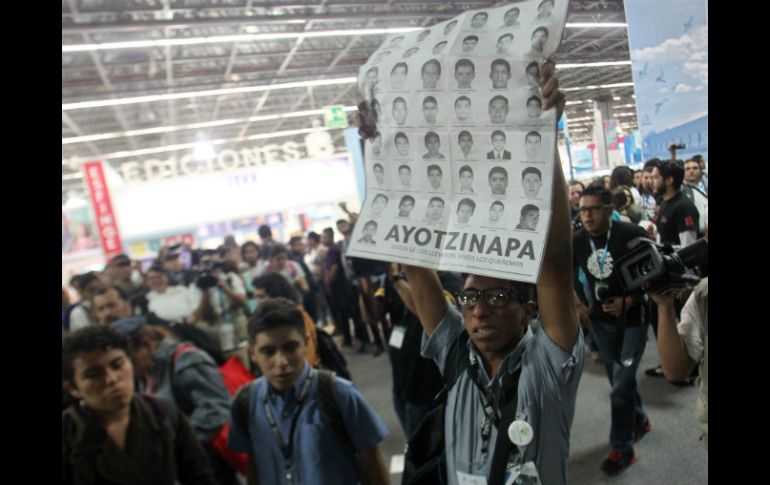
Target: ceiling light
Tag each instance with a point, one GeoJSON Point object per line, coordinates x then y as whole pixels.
{"type": "Point", "coordinates": [187, 146]}
{"type": "Point", "coordinates": [198, 94]}
{"type": "Point", "coordinates": [140, 44]}
{"type": "Point", "coordinates": [203, 150]}
{"type": "Point", "coordinates": [601, 86]}
{"type": "Point", "coordinates": [195, 126]}
{"type": "Point", "coordinates": [593, 64]}
{"type": "Point", "coordinates": [594, 25]}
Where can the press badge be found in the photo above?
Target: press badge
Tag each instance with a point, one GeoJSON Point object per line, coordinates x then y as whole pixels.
{"type": "Point", "coordinates": [467, 479]}
{"type": "Point", "coordinates": [397, 337]}
{"type": "Point", "coordinates": [525, 474]}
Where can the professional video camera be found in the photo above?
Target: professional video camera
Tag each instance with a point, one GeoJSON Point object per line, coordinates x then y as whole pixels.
{"type": "Point", "coordinates": [657, 268]}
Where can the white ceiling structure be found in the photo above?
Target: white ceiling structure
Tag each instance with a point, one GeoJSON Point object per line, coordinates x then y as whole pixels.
{"type": "Point", "coordinates": [143, 77]}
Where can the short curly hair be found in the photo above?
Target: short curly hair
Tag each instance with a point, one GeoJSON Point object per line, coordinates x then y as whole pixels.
{"type": "Point", "coordinates": [89, 339]}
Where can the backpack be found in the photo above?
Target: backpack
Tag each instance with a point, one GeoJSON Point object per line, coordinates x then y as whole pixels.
{"type": "Point", "coordinates": [424, 457]}
{"type": "Point", "coordinates": [328, 405]}
{"type": "Point", "coordinates": [65, 316]}
{"type": "Point", "coordinates": [234, 375]}
{"type": "Point", "coordinates": [201, 339]}
{"type": "Point", "coordinates": [330, 355]}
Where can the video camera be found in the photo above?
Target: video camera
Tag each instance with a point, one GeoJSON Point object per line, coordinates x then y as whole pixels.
{"type": "Point", "coordinates": [657, 268]}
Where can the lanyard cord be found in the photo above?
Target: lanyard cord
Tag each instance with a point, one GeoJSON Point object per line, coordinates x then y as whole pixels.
{"type": "Point", "coordinates": [286, 449]}
{"type": "Point", "coordinates": [491, 414]}
{"type": "Point", "coordinates": [603, 259]}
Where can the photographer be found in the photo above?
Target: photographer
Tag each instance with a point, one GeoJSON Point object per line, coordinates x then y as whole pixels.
{"type": "Point", "coordinates": [221, 310]}
{"type": "Point", "coordinates": [684, 346]}
{"type": "Point", "coordinates": [614, 319]}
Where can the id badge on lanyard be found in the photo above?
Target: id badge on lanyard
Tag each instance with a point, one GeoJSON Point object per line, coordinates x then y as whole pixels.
{"type": "Point", "coordinates": [525, 474]}
{"type": "Point", "coordinates": [397, 337]}
{"type": "Point", "coordinates": [468, 479]}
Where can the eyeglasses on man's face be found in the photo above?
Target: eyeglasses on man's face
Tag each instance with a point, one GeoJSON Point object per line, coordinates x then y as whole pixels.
{"type": "Point", "coordinates": [493, 297]}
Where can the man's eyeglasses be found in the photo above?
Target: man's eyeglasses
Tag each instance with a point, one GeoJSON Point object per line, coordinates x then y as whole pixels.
{"type": "Point", "coordinates": [592, 208]}
{"type": "Point", "coordinates": [493, 297]}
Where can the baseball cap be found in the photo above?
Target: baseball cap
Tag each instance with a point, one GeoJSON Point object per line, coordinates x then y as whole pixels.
{"type": "Point", "coordinates": [127, 326]}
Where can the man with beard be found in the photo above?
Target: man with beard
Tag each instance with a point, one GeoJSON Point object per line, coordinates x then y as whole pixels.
{"type": "Point", "coordinates": [677, 221]}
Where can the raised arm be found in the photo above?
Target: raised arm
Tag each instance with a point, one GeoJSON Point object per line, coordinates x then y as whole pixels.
{"type": "Point", "coordinates": [426, 289]}
{"type": "Point", "coordinates": [555, 292]}
{"type": "Point", "coordinates": [674, 359]}
{"type": "Point", "coordinates": [428, 296]}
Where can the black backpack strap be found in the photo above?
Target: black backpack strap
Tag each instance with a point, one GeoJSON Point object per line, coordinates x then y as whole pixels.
{"type": "Point", "coordinates": [456, 360]}
{"type": "Point", "coordinates": [329, 406]}
{"type": "Point", "coordinates": [424, 455]}
{"type": "Point", "coordinates": [241, 406]}
{"type": "Point", "coordinates": [503, 445]}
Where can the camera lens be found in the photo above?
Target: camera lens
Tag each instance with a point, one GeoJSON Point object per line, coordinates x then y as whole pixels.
{"type": "Point", "coordinates": [646, 267]}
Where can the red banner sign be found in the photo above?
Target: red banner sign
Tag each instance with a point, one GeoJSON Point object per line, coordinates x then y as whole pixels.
{"type": "Point", "coordinates": [105, 217]}
{"type": "Point", "coordinates": [188, 239]}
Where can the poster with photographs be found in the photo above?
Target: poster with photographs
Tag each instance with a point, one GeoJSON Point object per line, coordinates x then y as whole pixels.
{"type": "Point", "coordinates": [459, 174]}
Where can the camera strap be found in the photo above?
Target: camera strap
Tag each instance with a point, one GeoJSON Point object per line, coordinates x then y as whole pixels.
{"type": "Point", "coordinates": [621, 335]}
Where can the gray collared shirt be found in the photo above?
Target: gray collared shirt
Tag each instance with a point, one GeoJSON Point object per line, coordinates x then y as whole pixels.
{"type": "Point", "coordinates": [546, 400]}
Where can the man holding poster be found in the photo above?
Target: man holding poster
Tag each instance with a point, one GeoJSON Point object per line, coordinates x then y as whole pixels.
{"type": "Point", "coordinates": [493, 341]}
{"type": "Point", "coordinates": [511, 367]}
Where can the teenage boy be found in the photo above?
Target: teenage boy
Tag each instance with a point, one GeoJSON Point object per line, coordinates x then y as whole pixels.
{"type": "Point", "coordinates": [286, 437]}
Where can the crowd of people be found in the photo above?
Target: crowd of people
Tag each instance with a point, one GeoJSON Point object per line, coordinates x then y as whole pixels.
{"type": "Point", "coordinates": [145, 396]}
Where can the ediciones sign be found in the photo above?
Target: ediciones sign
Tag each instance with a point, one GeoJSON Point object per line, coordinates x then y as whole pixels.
{"type": "Point", "coordinates": [226, 160]}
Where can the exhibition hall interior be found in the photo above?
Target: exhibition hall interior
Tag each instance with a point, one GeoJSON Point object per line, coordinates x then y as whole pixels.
{"type": "Point", "coordinates": [255, 193]}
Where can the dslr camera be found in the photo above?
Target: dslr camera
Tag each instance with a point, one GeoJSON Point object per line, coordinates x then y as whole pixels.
{"type": "Point", "coordinates": [206, 279]}
{"type": "Point", "coordinates": [657, 268]}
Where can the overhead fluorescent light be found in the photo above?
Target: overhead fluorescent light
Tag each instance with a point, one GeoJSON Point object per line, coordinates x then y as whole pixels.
{"type": "Point", "coordinates": [141, 44]}
{"type": "Point", "coordinates": [195, 126]}
{"type": "Point", "coordinates": [593, 64]}
{"type": "Point", "coordinates": [595, 25]}
{"type": "Point", "coordinates": [193, 145]}
{"type": "Point", "coordinates": [199, 94]}
{"type": "Point", "coordinates": [601, 86]}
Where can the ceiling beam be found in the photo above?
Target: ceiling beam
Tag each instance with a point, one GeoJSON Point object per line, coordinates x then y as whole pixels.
{"type": "Point", "coordinates": [254, 20]}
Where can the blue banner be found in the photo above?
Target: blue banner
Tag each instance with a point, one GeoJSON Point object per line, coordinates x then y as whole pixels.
{"type": "Point", "coordinates": [669, 53]}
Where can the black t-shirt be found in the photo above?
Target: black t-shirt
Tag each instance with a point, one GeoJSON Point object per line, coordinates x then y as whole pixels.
{"type": "Point", "coordinates": [621, 234]}
{"type": "Point", "coordinates": [575, 217]}
{"type": "Point", "coordinates": [675, 216]}
{"type": "Point", "coordinates": [334, 256]}
{"type": "Point", "coordinates": [416, 379]}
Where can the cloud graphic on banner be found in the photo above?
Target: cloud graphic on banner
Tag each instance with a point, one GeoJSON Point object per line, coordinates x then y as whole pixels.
{"type": "Point", "coordinates": [682, 88]}
{"type": "Point", "coordinates": [698, 70]}
{"type": "Point", "coordinates": [680, 49]}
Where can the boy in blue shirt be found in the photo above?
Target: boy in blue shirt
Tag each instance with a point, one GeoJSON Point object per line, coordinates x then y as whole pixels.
{"type": "Point", "coordinates": [287, 439]}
